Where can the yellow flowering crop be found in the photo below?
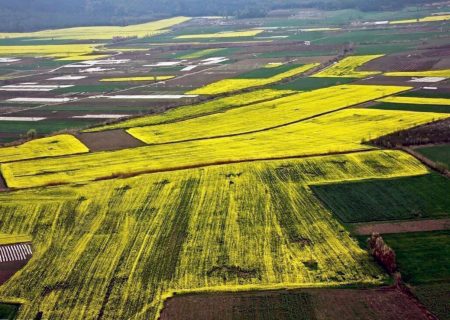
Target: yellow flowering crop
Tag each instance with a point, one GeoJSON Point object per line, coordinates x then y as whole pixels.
{"type": "Point", "coordinates": [120, 247]}
{"type": "Point", "coordinates": [147, 78]}
{"type": "Point", "coordinates": [445, 73]}
{"type": "Point", "coordinates": [59, 145]}
{"type": "Point", "coordinates": [209, 107]}
{"type": "Point", "coordinates": [230, 85]}
{"type": "Point", "coordinates": [347, 67]}
{"type": "Point", "coordinates": [55, 51]}
{"type": "Point", "coordinates": [417, 100]}
{"type": "Point", "coordinates": [341, 131]}
{"type": "Point", "coordinates": [265, 114]}
{"type": "Point", "coordinates": [6, 239]}
{"type": "Point", "coordinates": [84, 58]}
{"type": "Point", "coordinates": [426, 19]}
{"type": "Point", "coordinates": [228, 34]}
{"type": "Point", "coordinates": [102, 32]}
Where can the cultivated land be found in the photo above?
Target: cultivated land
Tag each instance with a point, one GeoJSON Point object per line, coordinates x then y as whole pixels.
{"type": "Point", "coordinates": [210, 168]}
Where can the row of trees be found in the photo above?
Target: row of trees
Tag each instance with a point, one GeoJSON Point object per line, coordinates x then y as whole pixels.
{"type": "Point", "coordinates": [25, 15]}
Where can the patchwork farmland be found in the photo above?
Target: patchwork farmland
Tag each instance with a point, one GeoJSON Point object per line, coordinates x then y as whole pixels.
{"type": "Point", "coordinates": [227, 168]}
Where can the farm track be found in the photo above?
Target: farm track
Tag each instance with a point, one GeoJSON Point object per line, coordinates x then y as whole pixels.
{"type": "Point", "coordinates": [400, 226]}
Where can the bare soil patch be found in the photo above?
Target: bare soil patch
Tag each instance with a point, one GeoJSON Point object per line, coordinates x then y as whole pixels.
{"type": "Point", "coordinates": [108, 140]}
{"type": "Point", "coordinates": [342, 304]}
{"type": "Point", "coordinates": [8, 269]}
{"type": "Point", "coordinates": [3, 185]}
{"type": "Point", "coordinates": [401, 226]}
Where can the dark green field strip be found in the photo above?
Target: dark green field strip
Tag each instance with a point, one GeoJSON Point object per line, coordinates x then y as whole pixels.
{"type": "Point", "coordinates": [439, 154]}
{"type": "Point", "coordinates": [426, 94]}
{"type": "Point", "coordinates": [362, 49]}
{"type": "Point", "coordinates": [284, 54]}
{"type": "Point", "coordinates": [35, 64]}
{"type": "Point", "coordinates": [8, 311]}
{"type": "Point", "coordinates": [311, 83]}
{"type": "Point", "coordinates": [221, 52]}
{"type": "Point", "coordinates": [411, 107]}
{"type": "Point", "coordinates": [417, 197]}
{"type": "Point", "coordinates": [376, 36]}
{"type": "Point", "coordinates": [266, 72]}
{"type": "Point", "coordinates": [44, 126]}
{"type": "Point", "coordinates": [97, 88]}
{"type": "Point", "coordinates": [436, 298]}
{"type": "Point", "coordinates": [422, 257]}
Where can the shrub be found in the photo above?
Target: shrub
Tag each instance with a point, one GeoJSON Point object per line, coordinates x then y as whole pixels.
{"type": "Point", "coordinates": [382, 253]}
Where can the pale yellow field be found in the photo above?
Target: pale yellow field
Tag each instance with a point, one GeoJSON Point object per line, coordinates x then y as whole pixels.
{"type": "Point", "coordinates": [417, 100]}
{"type": "Point", "coordinates": [201, 109]}
{"type": "Point", "coordinates": [6, 239]}
{"type": "Point", "coordinates": [56, 51]}
{"type": "Point", "coordinates": [121, 247]}
{"type": "Point", "coordinates": [231, 85]}
{"type": "Point", "coordinates": [341, 131]}
{"type": "Point", "coordinates": [102, 33]}
{"type": "Point", "coordinates": [264, 115]}
{"type": "Point", "coordinates": [426, 19]}
{"type": "Point", "coordinates": [59, 145]}
{"type": "Point", "coordinates": [84, 58]}
{"type": "Point", "coordinates": [229, 34]}
{"type": "Point", "coordinates": [445, 73]}
{"type": "Point", "coordinates": [347, 67]}
{"type": "Point", "coordinates": [147, 78]}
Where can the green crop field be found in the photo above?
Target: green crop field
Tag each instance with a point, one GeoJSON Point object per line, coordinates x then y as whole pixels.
{"type": "Point", "coordinates": [422, 257]}
{"type": "Point", "coordinates": [411, 107]}
{"type": "Point", "coordinates": [439, 154]}
{"type": "Point", "coordinates": [435, 297]}
{"type": "Point", "coordinates": [394, 199]}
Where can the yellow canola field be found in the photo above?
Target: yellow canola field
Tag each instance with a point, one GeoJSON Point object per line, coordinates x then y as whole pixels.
{"type": "Point", "coordinates": [59, 145]}
{"type": "Point", "coordinates": [6, 239]}
{"type": "Point", "coordinates": [417, 100]}
{"type": "Point", "coordinates": [55, 51]}
{"type": "Point", "coordinates": [229, 34]}
{"type": "Point", "coordinates": [147, 78]}
{"type": "Point", "coordinates": [341, 131]}
{"type": "Point", "coordinates": [84, 58]}
{"type": "Point", "coordinates": [197, 110]}
{"type": "Point", "coordinates": [426, 19]}
{"type": "Point", "coordinates": [102, 32]}
{"type": "Point", "coordinates": [231, 85]}
{"type": "Point", "coordinates": [264, 115]}
{"type": "Point", "coordinates": [347, 67]}
{"type": "Point", "coordinates": [120, 247]}
{"type": "Point", "coordinates": [445, 73]}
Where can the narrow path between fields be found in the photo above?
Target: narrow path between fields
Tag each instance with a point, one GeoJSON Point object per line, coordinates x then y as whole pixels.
{"type": "Point", "coordinates": [363, 229]}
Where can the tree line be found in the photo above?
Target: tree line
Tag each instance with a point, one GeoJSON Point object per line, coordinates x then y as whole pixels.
{"type": "Point", "coordinates": [29, 15]}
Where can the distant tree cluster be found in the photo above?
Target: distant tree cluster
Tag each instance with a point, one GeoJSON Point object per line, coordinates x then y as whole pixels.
{"type": "Point", "coordinates": [28, 15]}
